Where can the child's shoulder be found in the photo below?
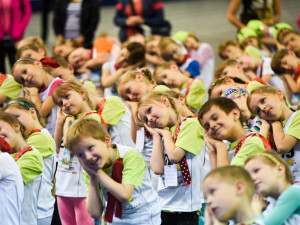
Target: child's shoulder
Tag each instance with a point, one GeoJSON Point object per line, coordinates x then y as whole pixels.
{"type": "Point", "coordinates": [114, 109]}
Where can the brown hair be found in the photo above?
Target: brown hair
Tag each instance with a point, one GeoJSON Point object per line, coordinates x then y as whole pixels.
{"type": "Point", "coordinates": [226, 63]}
{"type": "Point", "coordinates": [137, 53]}
{"type": "Point", "coordinates": [224, 45]}
{"type": "Point", "coordinates": [224, 104]}
{"type": "Point", "coordinates": [24, 48]}
{"type": "Point", "coordinates": [164, 66]}
{"type": "Point", "coordinates": [11, 120]}
{"type": "Point", "coordinates": [273, 159]}
{"type": "Point", "coordinates": [25, 104]}
{"type": "Point", "coordinates": [163, 43]}
{"type": "Point", "coordinates": [276, 61]}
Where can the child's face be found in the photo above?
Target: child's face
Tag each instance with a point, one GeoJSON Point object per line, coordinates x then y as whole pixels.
{"type": "Point", "coordinates": [62, 50]}
{"type": "Point", "coordinates": [71, 103]}
{"type": "Point", "coordinates": [292, 42]}
{"type": "Point", "coordinates": [289, 63]}
{"type": "Point", "coordinates": [133, 90]}
{"type": "Point", "coordinates": [169, 78]}
{"type": "Point", "coordinates": [173, 52]}
{"type": "Point", "coordinates": [246, 62]}
{"type": "Point", "coordinates": [63, 73]}
{"type": "Point", "coordinates": [267, 106]}
{"type": "Point", "coordinates": [28, 53]}
{"type": "Point", "coordinates": [263, 175]}
{"type": "Point", "coordinates": [220, 198]}
{"type": "Point", "coordinates": [251, 41]}
{"type": "Point", "coordinates": [230, 51]}
{"type": "Point", "coordinates": [93, 153]}
{"type": "Point", "coordinates": [122, 58]}
{"type": "Point", "coordinates": [242, 104]}
{"type": "Point", "coordinates": [151, 46]}
{"type": "Point", "coordinates": [231, 71]}
{"type": "Point", "coordinates": [29, 75]}
{"type": "Point", "coordinates": [24, 116]}
{"type": "Point", "coordinates": [79, 57]}
{"type": "Point", "coordinates": [9, 133]}
{"type": "Point", "coordinates": [190, 43]}
{"type": "Point", "coordinates": [217, 123]}
{"type": "Point", "coordinates": [217, 91]}
{"type": "Point", "coordinates": [156, 115]}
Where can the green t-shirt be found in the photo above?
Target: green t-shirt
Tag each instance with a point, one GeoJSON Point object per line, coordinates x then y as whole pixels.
{"type": "Point", "coordinates": [190, 137]}
{"type": "Point", "coordinates": [253, 85]}
{"type": "Point", "coordinates": [89, 85]}
{"type": "Point", "coordinates": [251, 146]}
{"type": "Point", "coordinates": [43, 142]}
{"type": "Point", "coordinates": [31, 165]}
{"type": "Point", "coordinates": [113, 110]}
{"type": "Point", "coordinates": [294, 127]}
{"type": "Point", "coordinates": [196, 94]}
{"type": "Point", "coordinates": [10, 88]}
{"type": "Point", "coordinates": [161, 88]}
{"type": "Point", "coordinates": [92, 116]}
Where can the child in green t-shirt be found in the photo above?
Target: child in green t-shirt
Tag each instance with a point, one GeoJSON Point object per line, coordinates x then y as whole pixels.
{"type": "Point", "coordinates": [221, 119]}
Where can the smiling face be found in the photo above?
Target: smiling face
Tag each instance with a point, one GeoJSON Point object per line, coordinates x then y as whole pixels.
{"type": "Point", "coordinates": [93, 153]}
{"type": "Point", "coordinates": [223, 206]}
{"type": "Point", "coordinates": [264, 175]}
{"type": "Point", "coordinates": [133, 90]}
{"type": "Point", "coordinates": [292, 42]}
{"type": "Point", "coordinates": [72, 103]}
{"type": "Point", "coordinates": [9, 133]}
{"type": "Point", "coordinates": [26, 117]}
{"type": "Point", "coordinates": [289, 63]}
{"type": "Point", "coordinates": [29, 75]}
{"type": "Point", "coordinates": [218, 124]}
{"type": "Point", "coordinates": [267, 106]}
{"type": "Point", "coordinates": [79, 57]}
{"type": "Point", "coordinates": [168, 77]}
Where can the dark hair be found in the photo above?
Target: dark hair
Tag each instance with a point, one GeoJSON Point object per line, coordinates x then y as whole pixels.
{"type": "Point", "coordinates": [11, 120]}
{"type": "Point", "coordinates": [137, 53]}
{"type": "Point", "coordinates": [276, 61]}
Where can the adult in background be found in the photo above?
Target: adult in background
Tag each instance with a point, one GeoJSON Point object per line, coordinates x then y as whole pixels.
{"type": "Point", "coordinates": [131, 14]}
{"type": "Point", "coordinates": [15, 16]}
{"type": "Point", "coordinates": [76, 19]}
{"type": "Point", "coordinates": [267, 11]}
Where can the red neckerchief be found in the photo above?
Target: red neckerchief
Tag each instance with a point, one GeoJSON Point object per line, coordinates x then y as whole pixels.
{"type": "Point", "coordinates": [266, 143]}
{"type": "Point", "coordinates": [35, 131]}
{"type": "Point", "coordinates": [112, 201]}
{"type": "Point", "coordinates": [183, 163]}
{"type": "Point", "coordinates": [259, 80]}
{"type": "Point", "coordinates": [116, 67]}
{"type": "Point", "coordinates": [297, 73]}
{"type": "Point", "coordinates": [2, 78]}
{"type": "Point", "coordinates": [49, 62]}
{"type": "Point", "coordinates": [195, 116]}
{"type": "Point", "coordinates": [186, 56]}
{"type": "Point", "coordinates": [99, 112]}
{"type": "Point", "coordinates": [22, 152]}
{"type": "Point", "coordinates": [5, 147]}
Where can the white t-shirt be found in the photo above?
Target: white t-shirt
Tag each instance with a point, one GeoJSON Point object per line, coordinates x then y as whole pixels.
{"type": "Point", "coordinates": [11, 191]}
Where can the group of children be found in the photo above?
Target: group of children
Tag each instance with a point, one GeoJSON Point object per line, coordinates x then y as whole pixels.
{"type": "Point", "coordinates": [150, 132]}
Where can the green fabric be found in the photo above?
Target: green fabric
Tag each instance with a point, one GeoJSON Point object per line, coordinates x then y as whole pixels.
{"type": "Point", "coordinates": [10, 88]}
{"type": "Point", "coordinates": [113, 110]}
{"type": "Point", "coordinates": [253, 85]}
{"type": "Point", "coordinates": [89, 85]}
{"type": "Point", "coordinates": [43, 142]}
{"type": "Point", "coordinates": [93, 116]}
{"type": "Point", "coordinates": [190, 137]}
{"type": "Point", "coordinates": [294, 127]}
{"type": "Point", "coordinates": [196, 95]}
{"type": "Point", "coordinates": [251, 146]}
{"type": "Point", "coordinates": [161, 88]}
{"type": "Point", "coordinates": [31, 165]}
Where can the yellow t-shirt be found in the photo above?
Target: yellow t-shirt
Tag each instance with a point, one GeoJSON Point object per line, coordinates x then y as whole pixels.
{"type": "Point", "coordinates": [10, 88]}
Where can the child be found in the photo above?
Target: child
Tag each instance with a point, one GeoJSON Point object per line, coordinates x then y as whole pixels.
{"type": "Point", "coordinates": [221, 119]}
{"type": "Point", "coordinates": [130, 56]}
{"type": "Point", "coordinates": [291, 40]}
{"type": "Point", "coordinates": [171, 50]}
{"type": "Point", "coordinates": [229, 49]}
{"type": "Point", "coordinates": [70, 187]}
{"type": "Point", "coordinates": [272, 178]}
{"type": "Point", "coordinates": [193, 89]}
{"type": "Point", "coordinates": [37, 41]}
{"type": "Point", "coordinates": [178, 162]}
{"type": "Point", "coordinates": [31, 51]}
{"type": "Point", "coordinates": [29, 161]}
{"type": "Point", "coordinates": [64, 48]}
{"type": "Point", "coordinates": [152, 55]}
{"type": "Point", "coordinates": [40, 138]}
{"type": "Point", "coordinates": [230, 68]}
{"type": "Point", "coordinates": [286, 64]}
{"type": "Point", "coordinates": [228, 191]}
{"type": "Point", "coordinates": [270, 104]}
{"type": "Point", "coordinates": [116, 171]}
{"type": "Point", "coordinates": [38, 86]}
{"type": "Point", "coordinates": [11, 187]}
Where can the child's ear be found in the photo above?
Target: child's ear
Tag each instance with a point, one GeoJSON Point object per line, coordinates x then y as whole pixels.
{"type": "Point", "coordinates": [139, 77]}
{"type": "Point", "coordinates": [240, 187]}
{"type": "Point", "coordinates": [173, 66]}
{"type": "Point", "coordinates": [281, 169]}
{"type": "Point", "coordinates": [279, 93]}
{"type": "Point", "coordinates": [33, 113]}
{"type": "Point", "coordinates": [71, 68]}
{"type": "Point", "coordinates": [182, 99]}
{"type": "Point", "coordinates": [291, 53]}
{"type": "Point", "coordinates": [236, 114]}
{"type": "Point", "coordinates": [38, 63]}
{"type": "Point", "coordinates": [41, 51]}
{"type": "Point", "coordinates": [16, 127]}
{"type": "Point", "coordinates": [165, 100]}
{"type": "Point", "coordinates": [108, 141]}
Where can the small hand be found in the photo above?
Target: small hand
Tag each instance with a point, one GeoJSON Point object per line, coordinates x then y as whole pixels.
{"type": "Point", "coordinates": [91, 171]}
{"type": "Point", "coordinates": [61, 116]}
{"type": "Point", "coordinates": [210, 147]}
{"type": "Point", "coordinates": [163, 132]}
{"type": "Point", "coordinates": [152, 131]}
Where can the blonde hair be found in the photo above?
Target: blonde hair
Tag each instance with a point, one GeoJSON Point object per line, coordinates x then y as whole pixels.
{"type": "Point", "coordinates": [70, 85]}
{"type": "Point", "coordinates": [11, 120]}
{"type": "Point", "coordinates": [36, 41]}
{"type": "Point", "coordinates": [26, 47]}
{"type": "Point", "coordinates": [131, 75]}
{"type": "Point", "coordinates": [164, 66]}
{"type": "Point", "coordinates": [230, 174]}
{"type": "Point", "coordinates": [85, 128]}
{"type": "Point", "coordinates": [153, 97]}
{"type": "Point", "coordinates": [25, 104]}
{"type": "Point", "coordinates": [273, 159]}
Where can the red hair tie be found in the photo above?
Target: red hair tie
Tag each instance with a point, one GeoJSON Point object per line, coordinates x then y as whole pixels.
{"type": "Point", "coordinates": [49, 62]}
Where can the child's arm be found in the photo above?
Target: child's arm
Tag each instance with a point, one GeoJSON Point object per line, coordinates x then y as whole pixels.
{"type": "Point", "coordinates": [266, 77]}
{"type": "Point", "coordinates": [264, 128]}
{"type": "Point", "coordinates": [212, 152]}
{"type": "Point", "coordinates": [44, 107]}
{"type": "Point", "coordinates": [157, 157]}
{"type": "Point", "coordinates": [58, 134]}
{"type": "Point", "coordinates": [68, 123]}
{"type": "Point", "coordinates": [221, 149]}
{"type": "Point", "coordinates": [94, 204]}
{"type": "Point", "coordinates": [294, 86]}
{"type": "Point", "coordinates": [108, 79]}
{"type": "Point", "coordinates": [283, 142]}
{"type": "Point", "coordinates": [134, 126]}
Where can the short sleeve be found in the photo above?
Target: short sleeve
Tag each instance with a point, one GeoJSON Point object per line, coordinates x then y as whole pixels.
{"type": "Point", "coordinates": [133, 168]}
{"type": "Point", "coordinates": [54, 85]}
{"type": "Point", "coordinates": [113, 110]}
{"type": "Point", "coordinates": [294, 128]}
{"type": "Point", "coordinates": [196, 95]}
{"type": "Point", "coordinates": [10, 88]}
{"type": "Point", "coordinates": [43, 142]}
{"type": "Point", "coordinates": [102, 44]}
